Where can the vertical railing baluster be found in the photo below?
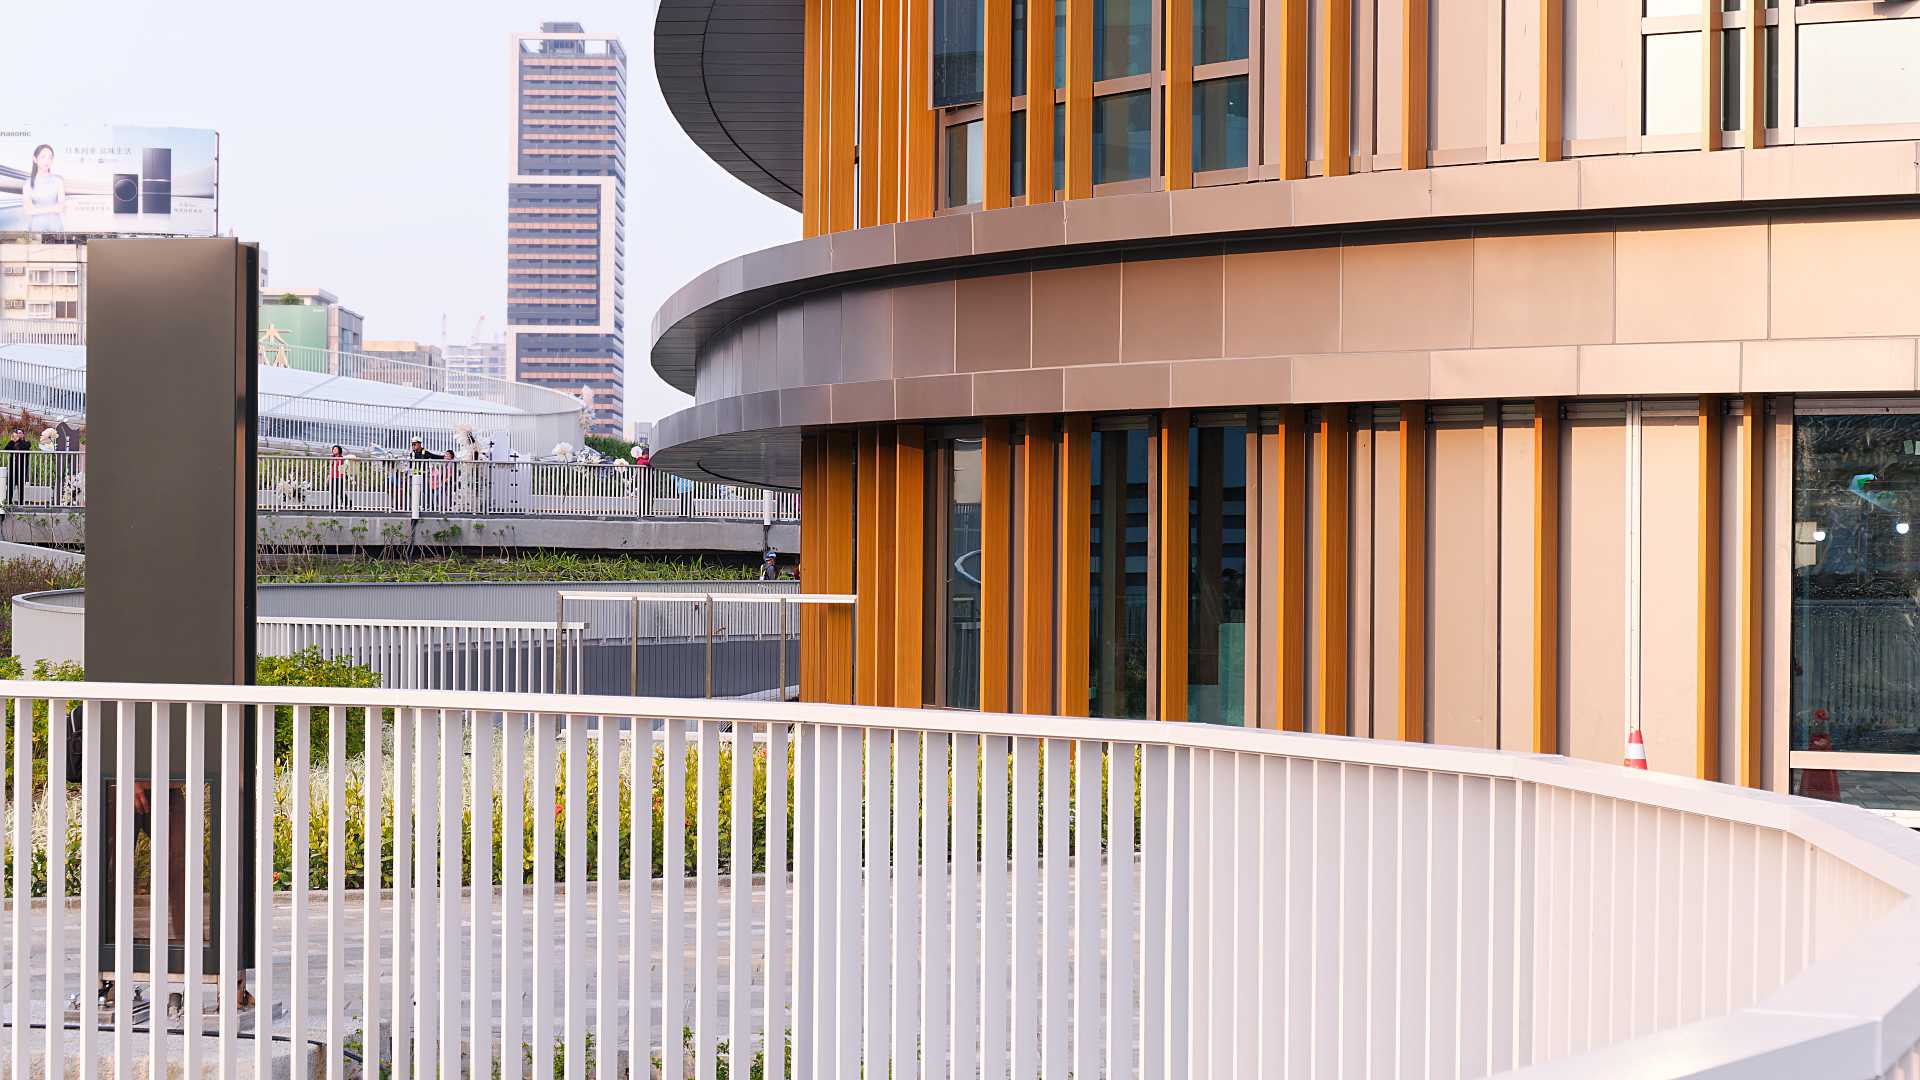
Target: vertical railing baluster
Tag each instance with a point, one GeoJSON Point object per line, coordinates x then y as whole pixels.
{"type": "Point", "coordinates": [640, 941]}
{"type": "Point", "coordinates": [775, 998]}
{"type": "Point", "coordinates": [263, 779]}
{"type": "Point", "coordinates": [968, 945]}
{"type": "Point", "coordinates": [299, 870]}
{"type": "Point", "coordinates": [1025, 1005]}
{"type": "Point", "coordinates": [485, 963]}
{"type": "Point", "coordinates": [513, 894]}
{"type": "Point", "coordinates": [937, 936]}
{"type": "Point", "coordinates": [541, 927]}
{"type": "Point", "coordinates": [123, 785]}
{"type": "Point", "coordinates": [404, 723]}
{"type": "Point", "coordinates": [1088, 801]}
{"type": "Point", "coordinates": [878, 929]}
{"type": "Point", "coordinates": [740, 903]}
{"type": "Point", "coordinates": [706, 931]}
{"type": "Point", "coordinates": [606, 1045]}
{"type": "Point", "coordinates": [159, 861]}
{"type": "Point", "coordinates": [907, 977]}
{"type": "Point", "coordinates": [673, 905]}
{"type": "Point", "coordinates": [336, 989]}
{"type": "Point", "coordinates": [232, 769]}
{"type": "Point", "coordinates": [451, 799]}
{"type": "Point", "coordinates": [1124, 1024]}
{"type": "Point", "coordinates": [194, 878]}
{"type": "Point", "coordinates": [1155, 1013]}
{"type": "Point", "coordinates": [56, 930]}
{"type": "Point", "coordinates": [20, 954]}
{"type": "Point", "coordinates": [426, 886]}
{"type": "Point", "coordinates": [1055, 914]}
{"type": "Point", "coordinates": [847, 895]}
{"type": "Point", "coordinates": [92, 885]}
{"type": "Point", "coordinates": [996, 758]}
{"type": "Point", "coordinates": [372, 835]}
{"type": "Point", "coordinates": [574, 1035]}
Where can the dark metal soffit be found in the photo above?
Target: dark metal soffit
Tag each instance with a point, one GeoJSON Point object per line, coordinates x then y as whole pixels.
{"type": "Point", "coordinates": [732, 73]}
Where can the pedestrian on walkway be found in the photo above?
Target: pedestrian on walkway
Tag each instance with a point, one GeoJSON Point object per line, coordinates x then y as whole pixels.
{"type": "Point", "coordinates": [17, 449]}
{"type": "Point", "coordinates": [337, 475]}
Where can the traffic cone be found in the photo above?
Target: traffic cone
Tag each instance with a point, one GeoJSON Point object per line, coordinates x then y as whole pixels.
{"type": "Point", "coordinates": [1636, 750]}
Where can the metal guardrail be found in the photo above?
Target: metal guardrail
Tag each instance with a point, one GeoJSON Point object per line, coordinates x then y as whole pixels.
{"type": "Point", "coordinates": [909, 892]}
{"type": "Point", "coordinates": [431, 487]}
{"type": "Point", "coordinates": [704, 606]}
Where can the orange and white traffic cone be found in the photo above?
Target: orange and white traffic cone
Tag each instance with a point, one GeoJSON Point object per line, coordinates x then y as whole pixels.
{"type": "Point", "coordinates": [1636, 750]}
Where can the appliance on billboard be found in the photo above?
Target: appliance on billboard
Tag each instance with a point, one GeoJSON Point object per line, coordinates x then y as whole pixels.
{"type": "Point", "coordinates": [125, 180]}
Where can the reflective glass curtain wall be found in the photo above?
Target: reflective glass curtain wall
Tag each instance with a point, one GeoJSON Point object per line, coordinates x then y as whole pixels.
{"type": "Point", "coordinates": [1217, 575]}
{"type": "Point", "coordinates": [1117, 569]}
{"type": "Point", "coordinates": [961, 576]}
{"type": "Point", "coordinates": [1856, 602]}
{"type": "Point", "coordinates": [959, 44]}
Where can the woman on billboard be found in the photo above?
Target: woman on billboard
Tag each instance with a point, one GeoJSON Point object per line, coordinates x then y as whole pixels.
{"type": "Point", "coordinates": [45, 195]}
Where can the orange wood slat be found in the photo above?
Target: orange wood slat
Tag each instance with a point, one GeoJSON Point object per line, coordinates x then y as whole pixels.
{"type": "Point", "coordinates": [887, 151]}
{"type": "Point", "coordinates": [842, 60]}
{"type": "Point", "coordinates": [996, 129]}
{"type": "Point", "coordinates": [839, 479]}
{"type": "Point", "coordinates": [867, 573]}
{"type": "Point", "coordinates": [1415, 56]}
{"type": "Point", "coordinates": [813, 212]}
{"type": "Point", "coordinates": [1336, 87]}
{"type": "Point", "coordinates": [1291, 100]}
{"type": "Point", "coordinates": [1707, 675]}
{"type": "Point", "coordinates": [1178, 153]}
{"type": "Point", "coordinates": [1330, 627]}
{"type": "Point", "coordinates": [1553, 79]}
{"type": "Point", "coordinates": [887, 553]}
{"type": "Point", "coordinates": [813, 516]}
{"type": "Point", "coordinates": [918, 154]}
{"type": "Point", "coordinates": [909, 565]}
{"type": "Point", "coordinates": [1039, 491]}
{"type": "Point", "coordinates": [1754, 77]}
{"type": "Point", "coordinates": [1079, 140]}
{"type": "Point", "coordinates": [1175, 489]}
{"type": "Point", "coordinates": [1752, 553]}
{"type": "Point", "coordinates": [1040, 78]}
{"type": "Point", "coordinates": [1291, 582]}
{"type": "Point", "coordinates": [996, 564]}
{"type": "Point", "coordinates": [1076, 600]}
{"type": "Point", "coordinates": [872, 107]}
{"type": "Point", "coordinates": [1546, 576]}
{"type": "Point", "coordinates": [1413, 572]}
{"type": "Point", "coordinates": [1710, 88]}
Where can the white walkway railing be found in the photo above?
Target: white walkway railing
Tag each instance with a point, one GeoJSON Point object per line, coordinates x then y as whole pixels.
{"type": "Point", "coordinates": [432, 487]}
{"type": "Point", "coordinates": [929, 894]}
{"type": "Point", "coordinates": [420, 654]}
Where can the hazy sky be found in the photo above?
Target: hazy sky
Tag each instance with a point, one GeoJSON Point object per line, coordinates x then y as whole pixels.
{"type": "Point", "coordinates": [365, 145]}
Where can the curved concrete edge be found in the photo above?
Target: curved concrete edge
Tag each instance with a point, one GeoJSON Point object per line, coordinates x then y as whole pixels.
{"type": "Point", "coordinates": [466, 533]}
{"type": "Point", "coordinates": [1459, 193]}
{"type": "Point", "coordinates": [10, 551]}
{"type": "Point", "coordinates": [725, 71]}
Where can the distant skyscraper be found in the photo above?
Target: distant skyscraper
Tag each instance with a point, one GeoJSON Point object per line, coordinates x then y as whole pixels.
{"type": "Point", "coordinates": [565, 217]}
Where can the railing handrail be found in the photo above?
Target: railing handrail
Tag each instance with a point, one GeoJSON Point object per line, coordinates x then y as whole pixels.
{"type": "Point", "coordinates": [702, 598]}
{"type": "Point", "coordinates": [435, 624]}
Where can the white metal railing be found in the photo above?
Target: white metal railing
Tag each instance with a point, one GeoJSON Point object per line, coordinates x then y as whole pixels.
{"type": "Point", "coordinates": [689, 616]}
{"type": "Point", "coordinates": [432, 487]}
{"type": "Point", "coordinates": [419, 654]}
{"type": "Point", "coordinates": [935, 894]}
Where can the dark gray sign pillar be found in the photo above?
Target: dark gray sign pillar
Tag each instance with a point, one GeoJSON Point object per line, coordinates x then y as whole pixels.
{"type": "Point", "coordinates": [172, 418]}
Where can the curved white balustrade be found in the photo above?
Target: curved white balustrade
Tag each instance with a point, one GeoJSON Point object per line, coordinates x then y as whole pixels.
{"type": "Point", "coordinates": [957, 894]}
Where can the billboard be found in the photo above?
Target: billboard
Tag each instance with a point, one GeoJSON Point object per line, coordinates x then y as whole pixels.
{"type": "Point", "coordinates": [127, 180]}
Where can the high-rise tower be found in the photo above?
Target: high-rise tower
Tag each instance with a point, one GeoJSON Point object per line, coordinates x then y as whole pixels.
{"type": "Point", "coordinates": [565, 217]}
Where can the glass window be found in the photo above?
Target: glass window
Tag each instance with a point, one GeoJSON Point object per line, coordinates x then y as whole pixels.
{"type": "Point", "coordinates": [962, 576]}
{"type": "Point", "coordinates": [1117, 565]}
{"type": "Point", "coordinates": [1672, 84]}
{"type": "Point", "coordinates": [1017, 154]}
{"type": "Point", "coordinates": [1219, 30]}
{"type": "Point", "coordinates": [1122, 38]}
{"type": "Point", "coordinates": [1122, 137]}
{"type": "Point", "coordinates": [1860, 73]}
{"type": "Point", "coordinates": [1880, 790]}
{"type": "Point", "coordinates": [1856, 584]}
{"type": "Point", "coordinates": [966, 164]}
{"type": "Point", "coordinates": [1217, 575]}
{"type": "Point", "coordinates": [1220, 124]}
{"type": "Point", "coordinates": [958, 42]}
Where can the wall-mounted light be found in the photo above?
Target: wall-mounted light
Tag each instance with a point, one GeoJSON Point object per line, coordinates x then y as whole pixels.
{"type": "Point", "coordinates": [1819, 536]}
{"type": "Point", "coordinates": [1901, 528]}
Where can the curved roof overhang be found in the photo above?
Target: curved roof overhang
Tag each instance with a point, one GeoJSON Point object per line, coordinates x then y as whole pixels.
{"type": "Point", "coordinates": [732, 73]}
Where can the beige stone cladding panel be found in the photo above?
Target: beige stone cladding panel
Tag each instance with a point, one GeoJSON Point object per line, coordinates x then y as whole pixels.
{"type": "Point", "coordinates": [1549, 371]}
{"type": "Point", "coordinates": [1076, 315]}
{"type": "Point", "coordinates": [1171, 309]}
{"type": "Point", "coordinates": [1693, 367]}
{"type": "Point", "coordinates": [993, 316]}
{"type": "Point", "coordinates": [923, 329]}
{"type": "Point", "coordinates": [1669, 583]}
{"type": "Point", "coordinates": [1592, 583]}
{"type": "Point", "coordinates": [1845, 274]}
{"type": "Point", "coordinates": [1285, 301]}
{"type": "Point", "coordinates": [1542, 288]}
{"type": "Point", "coordinates": [866, 334]}
{"type": "Point", "coordinates": [1691, 281]}
{"type": "Point", "coordinates": [1415, 294]}
{"type": "Point", "coordinates": [1460, 704]}
{"type": "Point", "coordinates": [1832, 365]}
